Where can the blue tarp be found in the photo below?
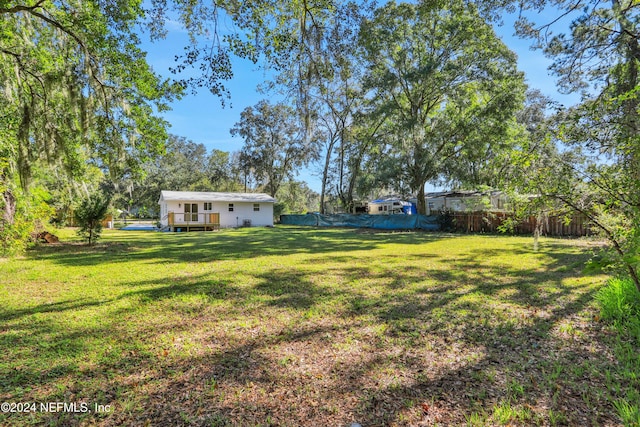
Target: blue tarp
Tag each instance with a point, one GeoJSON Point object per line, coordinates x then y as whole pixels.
{"type": "Point", "coordinates": [411, 209]}
{"type": "Point", "coordinates": [380, 222]}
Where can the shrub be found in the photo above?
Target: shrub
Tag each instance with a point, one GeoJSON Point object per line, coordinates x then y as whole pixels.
{"type": "Point", "coordinates": [278, 209]}
{"type": "Point", "coordinates": [620, 303]}
{"type": "Point", "coordinates": [22, 216]}
{"type": "Point", "coordinates": [89, 216]}
{"type": "Point", "coordinates": [446, 220]}
{"type": "Point", "coordinates": [619, 300]}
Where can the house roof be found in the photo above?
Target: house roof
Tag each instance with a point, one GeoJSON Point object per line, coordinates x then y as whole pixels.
{"type": "Point", "coordinates": [201, 196]}
{"type": "Point", "coordinates": [463, 193]}
{"type": "Point", "coordinates": [380, 201]}
{"type": "Point", "coordinates": [388, 198]}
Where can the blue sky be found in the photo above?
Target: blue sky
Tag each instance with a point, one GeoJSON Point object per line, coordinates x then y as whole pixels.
{"type": "Point", "coordinates": [202, 118]}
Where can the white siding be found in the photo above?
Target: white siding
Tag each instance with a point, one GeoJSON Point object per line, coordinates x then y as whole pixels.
{"type": "Point", "coordinates": [434, 205]}
{"type": "Point", "coordinates": [241, 211]}
{"type": "Point", "coordinates": [244, 211]}
{"type": "Point", "coordinates": [468, 203]}
{"type": "Point", "coordinates": [165, 208]}
{"type": "Point", "coordinates": [383, 208]}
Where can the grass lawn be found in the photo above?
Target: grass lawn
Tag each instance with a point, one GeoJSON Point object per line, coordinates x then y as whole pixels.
{"type": "Point", "coordinates": [304, 327]}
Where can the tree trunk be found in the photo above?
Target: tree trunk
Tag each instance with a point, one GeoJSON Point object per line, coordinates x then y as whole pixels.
{"type": "Point", "coordinates": [9, 208]}
{"type": "Point", "coordinates": [322, 193]}
{"type": "Point", "coordinates": [421, 202]}
{"type": "Point", "coordinates": [634, 276]}
{"type": "Point", "coordinates": [325, 177]}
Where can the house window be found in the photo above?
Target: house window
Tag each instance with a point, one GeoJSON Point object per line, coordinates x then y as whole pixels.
{"type": "Point", "coordinates": [431, 206]}
{"type": "Point", "coordinates": [207, 206]}
{"type": "Point", "coordinates": [256, 207]}
{"type": "Point", "coordinates": [230, 207]}
{"type": "Point", "coordinates": [379, 208]}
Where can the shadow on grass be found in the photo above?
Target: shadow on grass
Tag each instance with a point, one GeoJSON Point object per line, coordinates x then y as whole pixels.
{"type": "Point", "coordinates": [50, 307]}
{"type": "Point", "coordinates": [223, 245]}
{"type": "Point", "coordinates": [461, 336]}
{"type": "Point", "coordinates": [522, 368]}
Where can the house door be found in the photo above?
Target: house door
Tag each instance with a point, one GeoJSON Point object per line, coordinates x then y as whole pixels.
{"type": "Point", "coordinates": [191, 212]}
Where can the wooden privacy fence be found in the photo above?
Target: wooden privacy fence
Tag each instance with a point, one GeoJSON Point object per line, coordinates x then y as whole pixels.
{"type": "Point", "coordinates": [551, 225]}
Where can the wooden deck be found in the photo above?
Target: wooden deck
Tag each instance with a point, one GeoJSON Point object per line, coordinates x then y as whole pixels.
{"type": "Point", "coordinates": [184, 221]}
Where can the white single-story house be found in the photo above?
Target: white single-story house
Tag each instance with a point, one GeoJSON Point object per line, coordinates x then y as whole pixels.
{"type": "Point", "coordinates": [196, 210]}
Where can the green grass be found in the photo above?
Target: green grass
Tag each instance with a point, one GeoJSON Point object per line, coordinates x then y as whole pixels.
{"type": "Point", "coordinates": [619, 304]}
{"type": "Point", "coordinates": [619, 300]}
{"type": "Point", "coordinates": [293, 326]}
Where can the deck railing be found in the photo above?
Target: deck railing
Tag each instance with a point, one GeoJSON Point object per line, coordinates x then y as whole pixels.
{"type": "Point", "coordinates": [191, 219]}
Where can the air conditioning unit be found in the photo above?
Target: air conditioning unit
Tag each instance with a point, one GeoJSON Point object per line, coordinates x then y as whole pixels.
{"type": "Point", "coordinates": [246, 223]}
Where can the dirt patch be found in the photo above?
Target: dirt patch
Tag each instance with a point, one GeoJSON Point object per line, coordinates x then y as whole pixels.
{"type": "Point", "coordinates": [46, 237]}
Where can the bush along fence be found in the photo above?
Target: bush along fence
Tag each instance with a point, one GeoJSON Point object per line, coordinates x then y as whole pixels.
{"type": "Point", "coordinates": [465, 222]}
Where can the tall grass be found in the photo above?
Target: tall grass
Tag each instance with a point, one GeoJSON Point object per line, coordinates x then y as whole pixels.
{"type": "Point", "coordinates": [619, 304]}
{"type": "Point", "coordinates": [619, 300]}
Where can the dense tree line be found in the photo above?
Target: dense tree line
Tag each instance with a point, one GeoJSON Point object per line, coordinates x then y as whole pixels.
{"type": "Point", "coordinates": [189, 166]}
{"type": "Point", "coordinates": [402, 95]}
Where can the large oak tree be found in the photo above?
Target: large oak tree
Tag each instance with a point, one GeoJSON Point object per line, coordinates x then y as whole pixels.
{"type": "Point", "coordinates": [445, 80]}
{"type": "Point", "coordinates": [76, 91]}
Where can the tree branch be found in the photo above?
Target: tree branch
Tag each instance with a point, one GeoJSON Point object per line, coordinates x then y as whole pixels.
{"type": "Point", "coordinates": [18, 9]}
